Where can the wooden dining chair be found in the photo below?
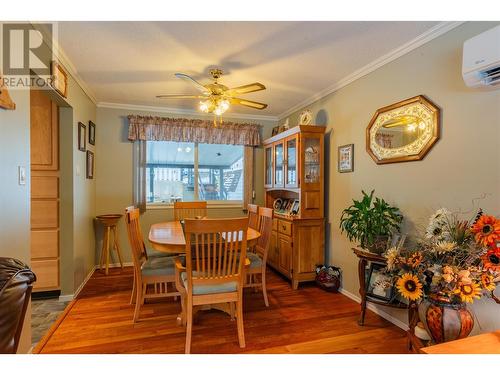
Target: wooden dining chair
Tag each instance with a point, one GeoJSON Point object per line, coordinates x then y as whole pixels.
{"type": "Point", "coordinates": [147, 253]}
{"type": "Point", "coordinates": [191, 210]}
{"type": "Point", "coordinates": [214, 270]}
{"type": "Point", "coordinates": [152, 275]}
{"type": "Point", "coordinates": [258, 258]}
{"type": "Point", "coordinates": [253, 216]}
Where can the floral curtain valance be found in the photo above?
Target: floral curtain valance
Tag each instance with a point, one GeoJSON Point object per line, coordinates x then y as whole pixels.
{"type": "Point", "coordinates": [149, 128]}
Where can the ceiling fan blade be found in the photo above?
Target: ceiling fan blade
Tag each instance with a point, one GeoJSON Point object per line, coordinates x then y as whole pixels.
{"type": "Point", "coordinates": [252, 87]}
{"type": "Point", "coordinates": [181, 96]}
{"type": "Point", "coordinates": [191, 80]}
{"type": "Point", "coordinates": [248, 103]}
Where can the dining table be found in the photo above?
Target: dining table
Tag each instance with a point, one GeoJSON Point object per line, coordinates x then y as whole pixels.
{"type": "Point", "coordinates": [169, 237]}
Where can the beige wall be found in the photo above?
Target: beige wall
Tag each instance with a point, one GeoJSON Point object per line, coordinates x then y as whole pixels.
{"type": "Point", "coordinates": [15, 199]}
{"type": "Point", "coordinates": [463, 165]}
{"type": "Point", "coordinates": [83, 190]}
{"type": "Point", "coordinates": [77, 193]}
{"type": "Point", "coordinates": [114, 173]}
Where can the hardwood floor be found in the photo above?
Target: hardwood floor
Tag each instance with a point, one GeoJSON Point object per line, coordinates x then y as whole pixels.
{"type": "Point", "coordinates": [307, 320]}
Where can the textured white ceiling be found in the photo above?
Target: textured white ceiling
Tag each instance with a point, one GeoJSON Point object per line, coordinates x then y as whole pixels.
{"type": "Point", "coordinates": [131, 62]}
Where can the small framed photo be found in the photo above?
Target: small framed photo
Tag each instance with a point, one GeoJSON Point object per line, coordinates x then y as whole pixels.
{"type": "Point", "coordinates": [379, 284]}
{"type": "Point", "coordinates": [82, 137]}
{"type": "Point", "coordinates": [91, 133]}
{"type": "Point", "coordinates": [346, 158]}
{"type": "Point", "coordinates": [90, 164]}
{"type": "Point", "coordinates": [295, 207]}
{"type": "Point", "coordinates": [276, 130]}
{"type": "Point", "coordinates": [59, 78]}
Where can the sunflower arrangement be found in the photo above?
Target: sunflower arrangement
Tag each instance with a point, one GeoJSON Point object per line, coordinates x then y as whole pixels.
{"type": "Point", "coordinates": [456, 261]}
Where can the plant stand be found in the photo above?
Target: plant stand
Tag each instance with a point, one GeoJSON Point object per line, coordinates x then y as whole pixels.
{"type": "Point", "coordinates": [365, 257]}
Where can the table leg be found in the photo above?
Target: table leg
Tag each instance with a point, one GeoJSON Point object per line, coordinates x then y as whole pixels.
{"type": "Point", "coordinates": [106, 243]}
{"type": "Point", "coordinates": [117, 246]}
{"type": "Point", "coordinates": [362, 290]}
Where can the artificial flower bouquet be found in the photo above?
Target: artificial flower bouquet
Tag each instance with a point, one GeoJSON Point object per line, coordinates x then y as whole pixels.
{"type": "Point", "coordinates": [455, 262]}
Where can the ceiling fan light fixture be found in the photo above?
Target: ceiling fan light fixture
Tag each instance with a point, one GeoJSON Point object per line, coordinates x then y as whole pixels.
{"type": "Point", "coordinates": [205, 106]}
{"type": "Point", "coordinates": [221, 107]}
{"type": "Point", "coordinates": [216, 97]}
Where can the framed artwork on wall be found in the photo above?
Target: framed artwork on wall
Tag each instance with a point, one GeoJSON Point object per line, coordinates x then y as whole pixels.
{"type": "Point", "coordinates": [82, 137]}
{"type": "Point", "coordinates": [346, 158]}
{"type": "Point", "coordinates": [91, 133]}
{"type": "Point", "coordinates": [90, 165]}
{"type": "Point", "coordinates": [59, 79]}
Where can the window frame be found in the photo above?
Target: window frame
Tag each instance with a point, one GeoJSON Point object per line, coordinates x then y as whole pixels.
{"type": "Point", "coordinates": [210, 203]}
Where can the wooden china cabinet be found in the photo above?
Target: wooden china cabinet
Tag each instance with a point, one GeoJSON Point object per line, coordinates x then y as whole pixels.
{"type": "Point", "coordinates": [294, 183]}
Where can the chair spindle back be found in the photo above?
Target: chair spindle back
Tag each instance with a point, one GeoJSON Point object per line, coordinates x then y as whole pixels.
{"type": "Point", "coordinates": [183, 210]}
{"type": "Point", "coordinates": [265, 229]}
{"type": "Point", "coordinates": [215, 250]}
{"type": "Point", "coordinates": [253, 216]}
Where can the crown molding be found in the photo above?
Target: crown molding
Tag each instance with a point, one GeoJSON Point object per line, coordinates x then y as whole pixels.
{"type": "Point", "coordinates": [182, 111]}
{"type": "Point", "coordinates": [432, 33]}
{"type": "Point", "coordinates": [70, 67]}
{"type": "Point", "coordinates": [63, 59]}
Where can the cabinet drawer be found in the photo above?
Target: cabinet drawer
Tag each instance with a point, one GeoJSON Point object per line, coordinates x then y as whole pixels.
{"type": "Point", "coordinates": [285, 227]}
{"type": "Point", "coordinates": [47, 273]}
{"type": "Point", "coordinates": [44, 244]}
{"type": "Point", "coordinates": [44, 214]}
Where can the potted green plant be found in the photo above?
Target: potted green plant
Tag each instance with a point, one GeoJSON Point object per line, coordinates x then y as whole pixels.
{"type": "Point", "coordinates": [370, 221]}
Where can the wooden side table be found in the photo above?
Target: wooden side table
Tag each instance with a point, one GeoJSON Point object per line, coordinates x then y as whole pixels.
{"type": "Point", "coordinates": [486, 343]}
{"type": "Point", "coordinates": [365, 257]}
{"type": "Point", "coordinates": [109, 223]}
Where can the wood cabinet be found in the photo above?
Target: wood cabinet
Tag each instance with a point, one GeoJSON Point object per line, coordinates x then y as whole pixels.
{"type": "Point", "coordinates": [294, 170]}
{"type": "Point", "coordinates": [44, 142]}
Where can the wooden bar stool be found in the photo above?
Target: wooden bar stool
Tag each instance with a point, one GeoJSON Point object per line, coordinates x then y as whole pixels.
{"type": "Point", "coordinates": [109, 223]}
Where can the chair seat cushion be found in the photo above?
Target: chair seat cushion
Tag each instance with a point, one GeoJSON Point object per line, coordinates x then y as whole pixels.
{"type": "Point", "coordinates": [230, 286]}
{"type": "Point", "coordinates": [255, 261]}
{"type": "Point", "coordinates": [159, 266]}
{"type": "Point", "coordinates": [156, 254]}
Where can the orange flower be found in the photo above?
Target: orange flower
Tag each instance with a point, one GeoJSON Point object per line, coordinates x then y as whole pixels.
{"type": "Point", "coordinates": [487, 230]}
{"type": "Point", "coordinates": [491, 260]}
{"type": "Point", "coordinates": [487, 282]}
{"type": "Point", "coordinates": [415, 259]}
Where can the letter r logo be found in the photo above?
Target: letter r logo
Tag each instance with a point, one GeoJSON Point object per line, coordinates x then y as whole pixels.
{"type": "Point", "coordinates": [25, 50]}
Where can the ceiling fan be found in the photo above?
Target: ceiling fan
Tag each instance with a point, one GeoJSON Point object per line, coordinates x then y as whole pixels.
{"type": "Point", "coordinates": [215, 97]}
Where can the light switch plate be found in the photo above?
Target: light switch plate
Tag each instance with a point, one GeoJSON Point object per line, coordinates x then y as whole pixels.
{"type": "Point", "coordinates": [21, 175]}
{"type": "Point", "coordinates": [77, 170]}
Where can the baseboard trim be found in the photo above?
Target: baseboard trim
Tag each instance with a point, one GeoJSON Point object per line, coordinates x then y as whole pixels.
{"type": "Point", "coordinates": [71, 297]}
{"type": "Point", "coordinates": [376, 310]}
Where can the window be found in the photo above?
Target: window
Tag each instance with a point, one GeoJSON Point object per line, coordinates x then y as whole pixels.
{"type": "Point", "coordinates": [181, 171]}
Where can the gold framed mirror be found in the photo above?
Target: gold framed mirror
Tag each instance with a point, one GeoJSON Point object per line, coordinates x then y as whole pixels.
{"type": "Point", "coordinates": [403, 131]}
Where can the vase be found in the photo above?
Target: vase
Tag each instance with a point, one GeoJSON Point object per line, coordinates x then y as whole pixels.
{"type": "Point", "coordinates": [379, 244]}
{"type": "Point", "coordinates": [445, 321]}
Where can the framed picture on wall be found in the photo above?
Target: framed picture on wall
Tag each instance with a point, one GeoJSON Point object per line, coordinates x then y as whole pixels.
{"type": "Point", "coordinates": [346, 158]}
{"type": "Point", "coordinates": [59, 79]}
{"type": "Point", "coordinates": [90, 164]}
{"type": "Point", "coordinates": [82, 137]}
{"type": "Point", "coordinates": [91, 133]}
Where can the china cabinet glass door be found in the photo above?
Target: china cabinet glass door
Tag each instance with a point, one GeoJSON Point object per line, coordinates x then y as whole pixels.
{"type": "Point", "coordinates": [268, 178]}
{"type": "Point", "coordinates": [311, 148]}
{"type": "Point", "coordinates": [291, 179]}
{"type": "Point", "coordinates": [279, 165]}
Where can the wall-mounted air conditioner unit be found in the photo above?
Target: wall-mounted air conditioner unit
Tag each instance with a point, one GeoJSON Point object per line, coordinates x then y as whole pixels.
{"type": "Point", "coordinates": [481, 59]}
